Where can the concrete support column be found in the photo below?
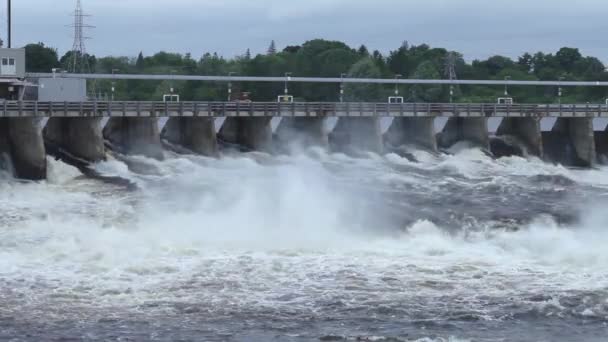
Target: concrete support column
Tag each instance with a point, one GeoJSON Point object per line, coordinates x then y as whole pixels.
{"type": "Point", "coordinates": [418, 132]}
{"type": "Point", "coordinates": [302, 132]}
{"type": "Point", "coordinates": [357, 134]}
{"type": "Point", "coordinates": [249, 133]}
{"type": "Point", "coordinates": [134, 135]}
{"type": "Point", "coordinates": [21, 139]}
{"type": "Point", "coordinates": [193, 133]}
{"type": "Point", "coordinates": [81, 138]}
{"type": "Point", "coordinates": [601, 145]}
{"type": "Point", "coordinates": [473, 130]}
{"type": "Point", "coordinates": [525, 130]}
{"type": "Point", "coordinates": [571, 142]}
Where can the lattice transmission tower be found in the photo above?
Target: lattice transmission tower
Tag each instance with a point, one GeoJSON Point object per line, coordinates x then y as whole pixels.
{"type": "Point", "coordinates": [450, 71]}
{"type": "Point", "coordinates": [79, 60]}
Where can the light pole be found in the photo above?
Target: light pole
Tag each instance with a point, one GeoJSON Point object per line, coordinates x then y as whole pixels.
{"type": "Point", "coordinates": [287, 79]}
{"type": "Point", "coordinates": [173, 71]}
{"type": "Point", "coordinates": [230, 85]}
{"type": "Point", "coordinates": [113, 83]}
{"type": "Point", "coordinates": [507, 79]}
{"type": "Point", "coordinates": [398, 76]}
{"type": "Point", "coordinates": [9, 20]}
{"type": "Point", "coordinates": [559, 91]}
{"type": "Point", "coordinates": [342, 76]}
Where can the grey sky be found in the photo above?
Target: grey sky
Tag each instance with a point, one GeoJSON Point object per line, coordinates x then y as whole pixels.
{"type": "Point", "coordinates": [478, 28]}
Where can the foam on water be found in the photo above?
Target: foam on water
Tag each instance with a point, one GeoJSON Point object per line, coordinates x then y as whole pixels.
{"type": "Point", "coordinates": [258, 234]}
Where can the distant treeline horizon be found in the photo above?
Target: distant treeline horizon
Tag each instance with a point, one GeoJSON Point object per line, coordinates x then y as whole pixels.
{"type": "Point", "coordinates": [323, 58]}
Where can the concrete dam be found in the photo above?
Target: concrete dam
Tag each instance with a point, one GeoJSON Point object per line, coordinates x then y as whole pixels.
{"type": "Point", "coordinates": [81, 132]}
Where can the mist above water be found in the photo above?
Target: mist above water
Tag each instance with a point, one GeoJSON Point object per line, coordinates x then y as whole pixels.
{"type": "Point", "coordinates": [257, 247]}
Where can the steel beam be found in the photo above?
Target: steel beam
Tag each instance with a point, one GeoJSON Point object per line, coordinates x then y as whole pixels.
{"type": "Point", "coordinates": [336, 80]}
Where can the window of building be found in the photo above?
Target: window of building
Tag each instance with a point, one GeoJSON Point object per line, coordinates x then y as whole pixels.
{"type": "Point", "coordinates": [4, 61]}
{"type": "Point", "coordinates": [11, 61]}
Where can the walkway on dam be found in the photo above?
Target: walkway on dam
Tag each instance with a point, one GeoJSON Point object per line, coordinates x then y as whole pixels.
{"type": "Point", "coordinates": [297, 109]}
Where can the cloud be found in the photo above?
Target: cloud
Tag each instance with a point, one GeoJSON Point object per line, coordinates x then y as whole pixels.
{"type": "Point", "coordinates": [478, 28]}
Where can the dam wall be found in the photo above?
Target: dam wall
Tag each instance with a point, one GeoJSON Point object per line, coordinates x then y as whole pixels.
{"type": "Point", "coordinates": [248, 133]}
{"type": "Point", "coordinates": [79, 134]}
{"type": "Point", "coordinates": [357, 134]}
{"type": "Point", "coordinates": [134, 136]}
{"type": "Point", "coordinates": [571, 142]}
{"type": "Point", "coordinates": [471, 129]}
{"type": "Point", "coordinates": [21, 140]}
{"type": "Point", "coordinates": [302, 132]}
{"type": "Point", "coordinates": [195, 134]}
{"type": "Point", "coordinates": [526, 130]}
{"type": "Point", "coordinates": [417, 132]}
{"type": "Point", "coordinates": [80, 138]}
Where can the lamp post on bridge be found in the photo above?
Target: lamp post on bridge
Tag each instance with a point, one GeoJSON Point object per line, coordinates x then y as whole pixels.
{"type": "Point", "coordinates": [230, 85]}
{"type": "Point", "coordinates": [287, 79]}
{"type": "Point", "coordinates": [173, 71]}
{"type": "Point", "coordinates": [507, 79]}
{"type": "Point", "coordinates": [342, 76]}
{"type": "Point", "coordinates": [397, 77]}
{"type": "Point", "coordinates": [559, 91]}
{"type": "Point", "coordinates": [113, 83]}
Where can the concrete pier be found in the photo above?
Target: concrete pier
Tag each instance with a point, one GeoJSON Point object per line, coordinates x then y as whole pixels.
{"type": "Point", "coordinates": [525, 130]}
{"type": "Point", "coordinates": [473, 130]}
{"type": "Point", "coordinates": [359, 134]}
{"type": "Point", "coordinates": [302, 132]}
{"type": "Point", "coordinates": [601, 146]}
{"type": "Point", "coordinates": [196, 134]}
{"type": "Point", "coordinates": [21, 139]}
{"type": "Point", "coordinates": [135, 136]}
{"type": "Point", "coordinates": [417, 132]}
{"type": "Point", "coordinates": [571, 142]}
{"type": "Point", "coordinates": [81, 138]}
{"type": "Point", "coordinates": [249, 133]}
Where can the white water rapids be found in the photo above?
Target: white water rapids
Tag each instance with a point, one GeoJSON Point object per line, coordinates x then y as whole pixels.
{"type": "Point", "coordinates": [308, 247]}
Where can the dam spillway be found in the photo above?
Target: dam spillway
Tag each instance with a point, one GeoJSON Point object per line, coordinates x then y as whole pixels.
{"type": "Point", "coordinates": [75, 129]}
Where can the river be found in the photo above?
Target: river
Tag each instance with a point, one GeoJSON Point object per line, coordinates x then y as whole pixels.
{"type": "Point", "coordinates": [310, 247]}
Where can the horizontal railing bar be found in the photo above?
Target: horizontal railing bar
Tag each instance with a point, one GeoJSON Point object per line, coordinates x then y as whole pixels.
{"type": "Point", "coordinates": [30, 108]}
{"type": "Point", "coordinates": [316, 80]}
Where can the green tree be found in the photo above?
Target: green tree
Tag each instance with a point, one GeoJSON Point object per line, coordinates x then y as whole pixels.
{"type": "Point", "coordinates": [365, 68]}
{"type": "Point", "coordinates": [67, 59]}
{"type": "Point", "coordinates": [140, 64]}
{"type": "Point", "coordinates": [430, 93]}
{"type": "Point", "coordinates": [568, 57]}
{"type": "Point", "coordinates": [40, 58]}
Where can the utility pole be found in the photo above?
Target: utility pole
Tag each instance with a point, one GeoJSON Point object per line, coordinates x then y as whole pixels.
{"type": "Point", "coordinates": [10, 26]}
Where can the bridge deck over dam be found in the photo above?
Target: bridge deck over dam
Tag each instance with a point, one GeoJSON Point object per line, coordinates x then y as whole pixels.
{"type": "Point", "coordinates": [76, 132]}
{"type": "Point", "coordinates": [296, 109]}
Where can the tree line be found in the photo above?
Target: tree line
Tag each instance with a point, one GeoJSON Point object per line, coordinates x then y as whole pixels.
{"type": "Point", "coordinates": [323, 58]}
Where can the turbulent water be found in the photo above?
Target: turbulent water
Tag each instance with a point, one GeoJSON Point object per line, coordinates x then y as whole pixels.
{"type": "Point", "coordinates": [312, 247]}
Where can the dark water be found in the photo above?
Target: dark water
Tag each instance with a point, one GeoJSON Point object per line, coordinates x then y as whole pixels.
{"type": "Point", "coordinates": [311, 248]}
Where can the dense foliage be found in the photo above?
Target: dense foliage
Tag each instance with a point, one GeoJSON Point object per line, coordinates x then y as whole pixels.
{"type": "Point", "coordinates": [324, 58]}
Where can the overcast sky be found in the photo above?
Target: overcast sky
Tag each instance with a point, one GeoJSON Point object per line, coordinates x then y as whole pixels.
{"type": "Point", "coordinates": [477, 28]}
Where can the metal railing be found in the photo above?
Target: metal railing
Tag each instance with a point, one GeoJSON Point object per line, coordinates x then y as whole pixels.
{"type": "Point", "coordinates": [273, 109]}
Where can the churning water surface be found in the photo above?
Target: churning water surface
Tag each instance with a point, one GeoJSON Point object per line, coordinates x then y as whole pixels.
{"type": "Point", "coordinates": [310, 247]}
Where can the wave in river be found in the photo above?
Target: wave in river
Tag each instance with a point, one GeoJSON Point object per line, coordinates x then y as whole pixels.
{"type": "Point", "coordinates": [255, 247]}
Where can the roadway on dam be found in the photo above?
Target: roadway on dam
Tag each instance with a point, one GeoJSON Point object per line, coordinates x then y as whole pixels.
{"type": "Point", "coordinates": [273, 109]}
